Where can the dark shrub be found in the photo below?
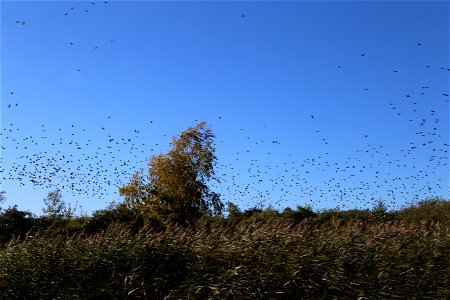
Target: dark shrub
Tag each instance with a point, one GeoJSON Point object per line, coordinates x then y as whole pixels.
{"type": "Point", "coordinates": [101, 219]}
{"type": "Point", "coordinates": [14, 223]}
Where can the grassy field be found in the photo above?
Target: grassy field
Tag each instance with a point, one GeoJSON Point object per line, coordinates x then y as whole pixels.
{"type": "Point", "coordinates": [256, 254]}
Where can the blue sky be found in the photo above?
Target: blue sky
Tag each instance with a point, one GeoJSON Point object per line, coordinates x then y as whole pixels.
{"type": "Point", "coordinates": [329, 104]}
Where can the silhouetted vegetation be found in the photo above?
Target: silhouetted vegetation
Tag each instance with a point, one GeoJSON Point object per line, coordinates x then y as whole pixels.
{"type": "Point", "coordinates": [14, 224]}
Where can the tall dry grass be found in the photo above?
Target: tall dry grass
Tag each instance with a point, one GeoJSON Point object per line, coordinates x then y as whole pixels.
{"type": "Point", "coordinates": [266, 259]}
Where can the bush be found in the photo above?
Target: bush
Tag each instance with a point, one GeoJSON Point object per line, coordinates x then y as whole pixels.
{"type": "Point", "coordinates": [14, 224]}
{"type": "Point", "coordinates": [298, 215]}
{"type": "Point", "coordinates": [119, 213]}
{"type": "Point", "coordinates": [428, 210]}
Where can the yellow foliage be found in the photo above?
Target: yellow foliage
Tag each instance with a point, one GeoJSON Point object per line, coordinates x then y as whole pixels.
{"type": "Point", "coordinates": [175, 186]}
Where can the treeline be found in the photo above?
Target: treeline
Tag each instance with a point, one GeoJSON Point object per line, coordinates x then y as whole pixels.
{"type": "Point", "coordinates": [117, 253]}
{"type": "Point", "coordinates": [16, 224]}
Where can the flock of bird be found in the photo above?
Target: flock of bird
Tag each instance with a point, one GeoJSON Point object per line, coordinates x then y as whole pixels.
{"type": "Point", "coordinates": [94, 163]}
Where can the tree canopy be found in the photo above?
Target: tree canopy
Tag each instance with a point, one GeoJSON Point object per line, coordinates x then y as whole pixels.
{"type": "Point", "coordinates": [55, 206]}
{"type": "Point", "coordinates": [2, 196]}
{"type": "Point", "coordinates": [175, 187]}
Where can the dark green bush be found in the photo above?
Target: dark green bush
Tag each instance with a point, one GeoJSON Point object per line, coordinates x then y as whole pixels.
{"type": "Point", "coordinates": [102, 219]}
{"type": "Point", "coordinates": [298, 215]}
{"type": "Point", "coordinates": [14, 224]}
{"type": "Point", "coordinates": [428, 210]}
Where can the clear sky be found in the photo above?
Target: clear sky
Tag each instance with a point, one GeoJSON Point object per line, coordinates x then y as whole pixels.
{"type": "Point", "coordinates": [329, 104]}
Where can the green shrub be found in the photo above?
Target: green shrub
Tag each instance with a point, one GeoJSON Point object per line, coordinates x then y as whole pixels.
{"type": "Point", "coordinates": [298, 215]}
{"type": "Point", "coordinates": [428, 210]}
{"type": "Point", "coordinates": [119, 213]}
{"type": "Point", "coordinates": [14, 224]}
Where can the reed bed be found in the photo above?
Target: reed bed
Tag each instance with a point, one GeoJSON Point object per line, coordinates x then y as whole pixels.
{"type": "Point", "coordinates": [268, 259]}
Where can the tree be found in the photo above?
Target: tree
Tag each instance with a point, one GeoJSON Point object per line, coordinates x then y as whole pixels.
{"type": "Point", "coordinates": [176, 185]}
{"type": "Point", "coordinates": [55, 207]}
{"type": "Point", "coordinates": [14, 223]}
{"type": "Point", "coordinates": [2, 196]}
